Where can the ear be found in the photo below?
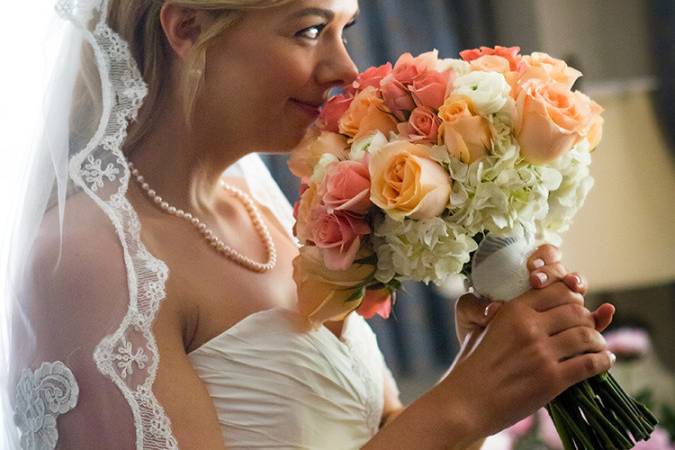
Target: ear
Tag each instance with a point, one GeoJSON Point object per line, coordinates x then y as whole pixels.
{"type": "Point", "coordinates": [181, 26]}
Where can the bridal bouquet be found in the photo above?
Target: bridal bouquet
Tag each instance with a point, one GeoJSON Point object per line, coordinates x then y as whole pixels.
{"type": "Point", "coordinates": [431, 167]}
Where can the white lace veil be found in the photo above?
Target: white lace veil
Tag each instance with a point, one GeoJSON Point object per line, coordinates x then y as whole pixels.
{"type": "Point", "coordinates": [84, 290]}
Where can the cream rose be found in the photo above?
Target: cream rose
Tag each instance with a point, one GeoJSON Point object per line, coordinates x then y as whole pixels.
{"type": "Point", "coordinates": [366, 113]}
{"type": "Point", "coordinates": [465, 134]}
{"type": "Point", "coordinates": [550, 119]}
{"type": "Point", "coordinates": [487, 91]}
{"type": "Point", "coordinates": [328, 295]}
{"type": "Point", "coordinates": [406, 182]}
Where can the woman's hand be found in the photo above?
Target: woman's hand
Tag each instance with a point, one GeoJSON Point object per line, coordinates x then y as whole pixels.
{"type": "Point", "coordinates": [472, 314]}
{"type": "Point", "coordinates": [535, 347]}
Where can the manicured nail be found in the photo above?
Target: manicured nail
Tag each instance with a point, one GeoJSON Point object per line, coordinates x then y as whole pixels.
{"type": "Point", "coordinates": [541, 276]}
{"type": "Point", "coordinates": [538, 263]}
{"type": "Point", "coordinates": [612, 358]}
{"type": "Point", "coordinates": [578, 280]}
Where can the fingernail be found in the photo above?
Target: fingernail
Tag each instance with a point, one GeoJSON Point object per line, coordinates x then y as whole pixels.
{"type": "Point", "coordinates": [578, 280]}
{"type": "Point", "coordinates": [538, 263]}
{"type": "Point", "coordinates": [541, 276]}
{"type": "Point", "coordinates": [612, 358]}
{"type": "Point", "coordinates": [601, 339]}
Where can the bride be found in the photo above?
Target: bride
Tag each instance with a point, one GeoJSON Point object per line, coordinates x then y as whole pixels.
{"type": "Point", "coordinates": [153, 299]}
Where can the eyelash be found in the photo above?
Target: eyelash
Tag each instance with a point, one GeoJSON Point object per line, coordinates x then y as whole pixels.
{"type": "Point", "coordinates": [319, 29]}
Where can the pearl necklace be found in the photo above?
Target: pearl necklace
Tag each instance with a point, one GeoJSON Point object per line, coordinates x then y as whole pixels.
{"type": "Point", "coordinates": [227, 251]}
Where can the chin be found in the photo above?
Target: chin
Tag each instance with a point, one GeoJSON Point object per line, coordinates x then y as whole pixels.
{"type": "Point", "coordinates": [287, 141]}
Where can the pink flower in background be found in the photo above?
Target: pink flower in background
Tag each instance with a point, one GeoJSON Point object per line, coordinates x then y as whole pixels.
{"type": "Point", "coordinates": [628, 343]}
{"type": "Point", "coordinates": [659, 440]}
{"type": "Point", "coordinates": [346, 187]}
{"type": "Point", "coordinates": [376, 302]}
{"type": "Point", "coordinates": [422, 126]}
{"type": "Point", "coordinates": [372, 76]}
{"type": "Point", "coordinates": [332, 110]}
{"type": "Point", "coordinates": [338, 235]}
{"type": "Point", "coordinates": [429, 88]}
{"type": "Point", "coordinates": [508, 53]}
{"type": "Point", "coordinates": [521, 428]}
{"type": "Point", "coordinates": [547, 431]}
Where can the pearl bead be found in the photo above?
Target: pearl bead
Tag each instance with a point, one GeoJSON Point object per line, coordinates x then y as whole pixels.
{"type": "Point", "coordinates": [250, 207]}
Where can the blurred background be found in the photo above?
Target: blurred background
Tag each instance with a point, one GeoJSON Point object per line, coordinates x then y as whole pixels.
{"type": "Point", "coordinates": [623, 240]}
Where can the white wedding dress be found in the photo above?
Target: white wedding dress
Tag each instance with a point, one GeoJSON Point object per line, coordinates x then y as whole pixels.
{"type": "Point", "coordinates": [278, 385]}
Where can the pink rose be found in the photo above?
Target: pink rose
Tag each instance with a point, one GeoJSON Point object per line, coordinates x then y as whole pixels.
{"type": "Point", "coordinates": [508, 53]}
{"type": "Point", "coordinates": [422, 126]}
{"type": "Point", "coordinates": [429, 88]}
{"type": "Point", "coordinates": [628, 343]}
{"type": "Point", "coordinates": [332, 110]}
{"type": "Point", "coordinates": [659, 440]}
{"type": "Point", "coordinates": [550, 119]}
{"type": "Point", "coordinates": [409, 68]}
{"type": "Point", "coordinates": [372, 76]}
{"type": "Point", "coordinates": [376, 302]}
{"type": "Point", "coordinates": [338, 235]}
{"type": "Point", "coordinates": [396, 96]}
{"type": "Point", "coordinates": [521, 428]}
{"type": "Point", "coordinates": [346, 187]}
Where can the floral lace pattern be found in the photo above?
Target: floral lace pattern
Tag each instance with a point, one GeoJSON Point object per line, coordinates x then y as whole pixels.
{"type": "Point", "coordinates": [128, 357]}
{"type": "Point", "coordinates": [41, 397]}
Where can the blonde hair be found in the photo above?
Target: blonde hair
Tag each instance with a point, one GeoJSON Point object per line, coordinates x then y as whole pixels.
{"type": "Point", "coordinates": [138, 23]}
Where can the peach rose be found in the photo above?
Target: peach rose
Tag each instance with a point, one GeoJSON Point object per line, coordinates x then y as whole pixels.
{"type": "Point", "coordinates": [366, 114]}
{"type": "Point", "coordinates": [376, 302]}
{"type": "Point", "coordinates": [406, 182]}
{"type": "Point", "coordinates": [327, 295]}
{"type": "Point", "coordinates": [309, 200]}
{"type": "Point", "coordinates": [594, 132]}
{"type": "Point", "coordinates": [346, 187]}
{"type": "Point", "coordinates": [550, 119]}
{"type": "Point", "coordinates": [422, 126]}
{"type": "Point", "coordinates": [511, 54]}
{"type": "Point", "coordinates": [542, 66]}
{"type": "Point", "coordinates": [332, 110]}
{"type": "Point", "coordinates": [491, 63]}
{"type": "Point", "coordinates": [372, 76]}
{"type": "Point", "coordinates": [315, 143]}
{"type": "Point", "coordinates": [466, 135]}
{"type": "Point", "coordinates": [429, 89]}
{"type": "Point", "coordinates": [338, 235]}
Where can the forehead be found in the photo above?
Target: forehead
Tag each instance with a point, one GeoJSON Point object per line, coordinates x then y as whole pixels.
{"type": "Point", "coordinates": [328, 9]}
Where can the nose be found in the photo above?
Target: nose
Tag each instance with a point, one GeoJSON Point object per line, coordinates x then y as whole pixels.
{"type": "Point", "coordinates": [337, 67]}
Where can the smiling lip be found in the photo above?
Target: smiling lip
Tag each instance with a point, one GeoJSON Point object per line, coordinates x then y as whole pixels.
{"type": "Point", "coordinates": [311, 109]}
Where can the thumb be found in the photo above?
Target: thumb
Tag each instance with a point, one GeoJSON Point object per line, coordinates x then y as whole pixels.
{"type": "Point", "coordinates": [476, 310]}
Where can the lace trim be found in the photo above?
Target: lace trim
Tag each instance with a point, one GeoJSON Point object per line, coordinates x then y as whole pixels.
{"type": "Point", "coordinates": [129, 357]}
{"type": "Point", "coordinates": [41, 397]}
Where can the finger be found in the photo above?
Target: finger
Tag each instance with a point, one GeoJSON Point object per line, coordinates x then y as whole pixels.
{"type": "Point", "coordinates": [472, 309]}
{"type": "Point", "coordinates": [582, 367]}
{"type": "Point", "coordinates": [576, 282]}
{"type": "Point", "coordinates": [577, 340]}
{"type": "Point", "coordinates": [549, 297]}
{"type": "Point", "coordinates": [546, 275]}
{"type": "Point", "coordinates": [564, 317]}
{"type": "Point", "coordinates": [603, 316]}
{"type": "Point", "coordinates": [545, 254]}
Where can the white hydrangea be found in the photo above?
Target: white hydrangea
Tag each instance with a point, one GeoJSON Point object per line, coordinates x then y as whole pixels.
{"type": "Point", "coordinates": [427, 250]}
{"type": "Point", "coordinates": [488, 91]}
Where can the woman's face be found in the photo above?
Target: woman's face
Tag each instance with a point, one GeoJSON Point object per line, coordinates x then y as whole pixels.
{"type": "Point", "coordinates": [267, 75]}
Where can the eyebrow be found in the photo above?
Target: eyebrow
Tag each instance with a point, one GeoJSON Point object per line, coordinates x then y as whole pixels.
{"type": "Point", "coordinates": [321, 12]}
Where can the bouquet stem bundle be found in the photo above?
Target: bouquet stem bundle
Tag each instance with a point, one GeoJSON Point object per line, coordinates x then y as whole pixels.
{"type": "Point", "coordinates": [597, 414]}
